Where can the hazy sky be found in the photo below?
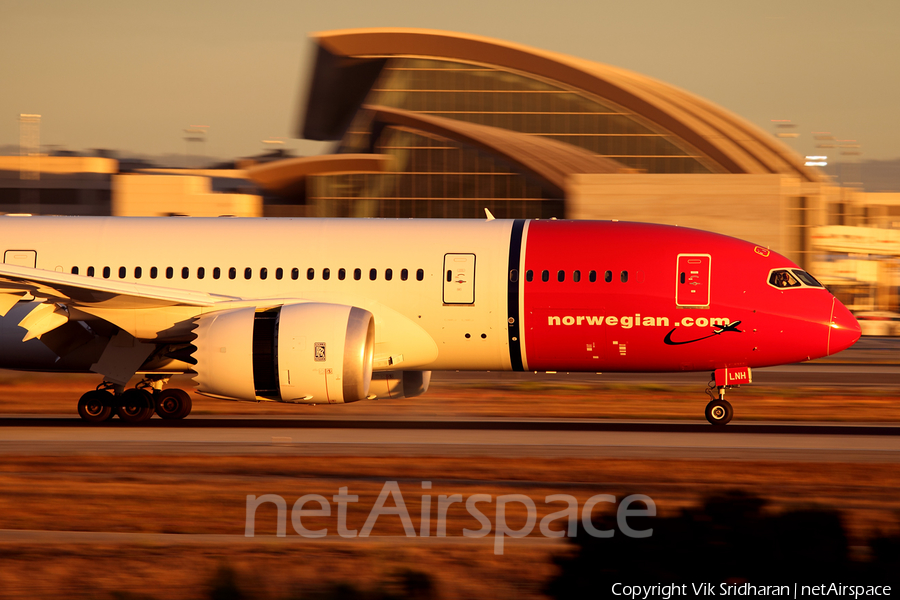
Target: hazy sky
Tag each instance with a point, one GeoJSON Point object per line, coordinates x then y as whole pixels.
{"type": "Point", "coordinates": [131, 76]}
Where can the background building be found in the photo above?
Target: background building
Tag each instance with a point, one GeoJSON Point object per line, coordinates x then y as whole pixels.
{"type": "Point", "coordinates": [464, 123]}
{"type": "Point", "coordinates": [434, 124]}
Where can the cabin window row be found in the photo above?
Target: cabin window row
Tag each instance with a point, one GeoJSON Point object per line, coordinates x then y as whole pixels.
{"type": "Point", "coordinates": [576, 276]}
{"type": "Point", "coordinates": [248, 273]}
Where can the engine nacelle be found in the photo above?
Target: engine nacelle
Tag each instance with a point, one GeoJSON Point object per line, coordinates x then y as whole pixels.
{"type": "Point", "coordinates": [306, 353]}
{"type": "Point", "coordinates": [399, 384]}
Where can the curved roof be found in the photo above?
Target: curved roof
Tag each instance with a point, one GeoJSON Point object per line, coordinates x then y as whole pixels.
{"type": "Point", "coordinates": [349, 61]}
{"type": "Point", "coordinates": [548, 159]}
{"type": "Point", "coordinates": [286, 177]}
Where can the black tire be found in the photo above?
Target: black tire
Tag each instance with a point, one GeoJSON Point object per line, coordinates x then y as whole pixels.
{"type": "Point", "coordinates": [95, 406]}
{"type": "Point", "coordinates": [136, 406]}
{"type": "Point", "coordinates": [719, 412]}
{"type": "Point", "coordinates": [173, 404]}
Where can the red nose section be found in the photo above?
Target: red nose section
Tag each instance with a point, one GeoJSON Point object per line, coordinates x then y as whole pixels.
{"type": "Point", "coordinates": [844, 330]}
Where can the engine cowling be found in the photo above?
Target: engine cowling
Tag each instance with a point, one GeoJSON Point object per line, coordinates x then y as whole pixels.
{"type": "Point", "coordinates": [305, 353]}
{"type": "Point", "coordinates": [399, 384]}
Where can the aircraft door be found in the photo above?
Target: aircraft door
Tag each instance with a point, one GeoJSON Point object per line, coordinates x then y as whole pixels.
{"type": "Point", "coordinates": [459, 279]}
{"type": "Point", "coordinates": [692, 287]}
{"type": "Point", "coordinates": [22, 258]}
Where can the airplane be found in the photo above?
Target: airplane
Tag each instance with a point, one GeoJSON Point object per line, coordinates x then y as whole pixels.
{"type": "Point", "coordinates": [315, 311]}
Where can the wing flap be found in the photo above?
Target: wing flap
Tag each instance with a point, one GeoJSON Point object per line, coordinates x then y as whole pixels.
{"type": "Point", "coordinates": [43, 319]}
{"type": "Point", "coordinates": [10, 298]}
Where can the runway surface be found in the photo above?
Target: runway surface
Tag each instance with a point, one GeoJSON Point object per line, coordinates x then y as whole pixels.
{"type": "Point", "coordinates": [818, 375]}
{"type": "Point", "coordinates": [872, 362]}
{"type": "Point", "coordinates": [93, 538]}
{"type": "Point", "coordinates": [500, 438]}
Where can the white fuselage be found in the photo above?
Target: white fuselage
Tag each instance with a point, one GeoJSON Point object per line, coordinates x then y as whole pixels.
{"type": "Point", "coordinates": [415, 328]}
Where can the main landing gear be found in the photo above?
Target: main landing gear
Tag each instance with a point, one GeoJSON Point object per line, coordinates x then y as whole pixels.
{"type": "Point", "coordinates": [134, 405]}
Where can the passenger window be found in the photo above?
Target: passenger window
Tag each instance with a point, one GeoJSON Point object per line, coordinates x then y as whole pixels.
{"type": "Point", "coordinates": [592, 276]}
{"type": "Point", "coordinates": [404, 274]}
{"type": "Point", "coordinates": [201, 272]}
{"type": "Point", "coordinates": [529, 275]}
{"type": "Point", "coordinates": [105, 272]}
{"type": "Point", "coordinates": [248, 272]}
{"type": "Point", "coordinates": [170, 272]}
{"type": "Point", "coordinates": [545, 275]}
{"type": "Point", "coordinates": [623, 276]}
{"type": "Point", "coordinates": [90, 272]}
{"type": "Point", "coordinates": [607, 277]}
{"type": "Point", "coordinates": [357, 274]}
{"type": "Point", "coordinates": [326, 273]}
{"type": "Point", "coordinates": [217, 272]}
{"type": "Point", "coordinates": [122, 272]}
{"type": "Point", "coordinates": [783, 279]}
{"type": "Point", "coordinates": [342, 274]}
{"type": "Point", "coordinates": [388, 274]}
{"type": "Point", "coordinates": [74, 270]}
{"type": "Point", "coordinates": [513, 275]}
{"type": "Point", "coordinates": [154, 272]}
{"type": "Point", "coordinates": [138, 272]}
{"type": "Point", "coordinates": [185, 272]}
{"type": "Point", "coordinates": [232, 273]}
{"type": "Point", "coordinates": [295, 273]}
{"type": "Point", "coordinates": [576, 276]}
{"type": "Point", "coordinates": [263, 273]}
{"type": "Point", "coordinates": [560, 276]}
{"type": "Point", "coordinates": [420, 275]}
{"type": "Point", "coordinates": [279, 273]}
{"type": "Point", "coordinates": [373, 274]}
{"type": "Point", "coordinates": [310, 273]}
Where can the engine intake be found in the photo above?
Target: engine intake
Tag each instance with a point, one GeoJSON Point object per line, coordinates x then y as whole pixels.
{"type": "Point", "coordinates": [305, 353]}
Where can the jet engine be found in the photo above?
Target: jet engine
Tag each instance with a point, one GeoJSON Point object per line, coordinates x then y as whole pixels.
{"type": "Point", "coordinates": [305, 353]}
{"type": "Point", "coordinates": [399, 384]}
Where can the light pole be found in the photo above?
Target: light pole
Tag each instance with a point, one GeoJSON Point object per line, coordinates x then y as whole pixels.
{"type": "Point", "coordinates": [29, 157]}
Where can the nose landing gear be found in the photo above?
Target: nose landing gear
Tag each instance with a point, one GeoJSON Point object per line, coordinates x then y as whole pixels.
{"type": "Point", "coordinates": [719, 411]}
{"type": "Point", "coordinates": [135, 405]}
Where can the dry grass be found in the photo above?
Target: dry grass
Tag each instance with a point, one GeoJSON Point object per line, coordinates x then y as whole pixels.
{"type": "Point", "coordinates": [207, 494]}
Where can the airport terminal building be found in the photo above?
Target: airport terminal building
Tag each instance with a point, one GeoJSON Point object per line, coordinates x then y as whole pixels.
{"type": "Point", "coordinates": [436, 124]}
{"type": "Point", "coordinates": [439, 124]}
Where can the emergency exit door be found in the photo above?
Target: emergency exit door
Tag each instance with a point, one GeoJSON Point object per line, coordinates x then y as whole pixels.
{"type": "Point", "coordinates": [692, 287]}
{"type": "Point", "coordinates": [459, 279]}
{"type": "Point", "coordinates": [22, 258]}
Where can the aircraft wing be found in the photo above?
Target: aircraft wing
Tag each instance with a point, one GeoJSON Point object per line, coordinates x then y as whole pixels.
{"type": "Point", "coordinates": [17, 282]}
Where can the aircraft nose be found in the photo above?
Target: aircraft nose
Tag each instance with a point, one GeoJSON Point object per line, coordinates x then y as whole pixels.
{"type": "Point", "coordinates": [844, 330]}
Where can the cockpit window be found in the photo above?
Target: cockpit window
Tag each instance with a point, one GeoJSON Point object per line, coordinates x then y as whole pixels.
{"type": "Point", "coordinates": [792, 278]}
{"type": "Point", "coordinates": [783, 279]}
{"type": "Point", "coordinates": [807, 278]}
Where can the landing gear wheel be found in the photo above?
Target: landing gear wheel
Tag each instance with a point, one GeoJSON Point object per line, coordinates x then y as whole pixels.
{"type": "Point", "coordinates": [719, 412]}
{"type": "Point", "coordinates": [137, 406]}
{"type": "Point", "coordinates": [173, 404]}
{"type": "Point", "coordinates": [94, 406]}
